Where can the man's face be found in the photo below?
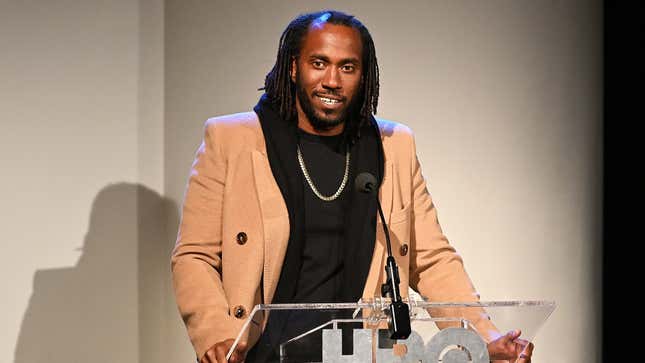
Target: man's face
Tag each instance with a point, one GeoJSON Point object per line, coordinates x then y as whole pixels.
{"type": "Point", "coordinates": [328, 75]}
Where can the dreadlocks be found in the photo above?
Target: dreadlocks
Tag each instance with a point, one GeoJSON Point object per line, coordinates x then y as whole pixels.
{"type": "Point", "coordinates": [282, 92]}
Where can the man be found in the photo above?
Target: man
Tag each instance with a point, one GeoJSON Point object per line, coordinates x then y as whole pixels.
{"type": "Point", "coordinates": [270, 215]}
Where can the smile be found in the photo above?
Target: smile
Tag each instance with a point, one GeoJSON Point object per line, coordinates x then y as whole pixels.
{"type": "Point", "coordinates": [328, 101]}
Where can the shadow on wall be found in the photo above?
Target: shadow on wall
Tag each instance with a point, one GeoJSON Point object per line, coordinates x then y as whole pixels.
{"type": "Point", "coordinates": [110, 306]}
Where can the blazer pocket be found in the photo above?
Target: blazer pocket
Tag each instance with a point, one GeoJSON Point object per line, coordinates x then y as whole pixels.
{"type": "Point", "coordinates": [401, 215]}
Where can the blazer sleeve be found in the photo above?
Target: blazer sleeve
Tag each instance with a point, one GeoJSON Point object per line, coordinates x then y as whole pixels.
{"type": "Point", "coordinates": [197, 257]}
{"type": "Point", "coordinates": [436, 269]}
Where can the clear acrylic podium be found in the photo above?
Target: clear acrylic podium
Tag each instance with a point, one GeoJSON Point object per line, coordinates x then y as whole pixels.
{"type": "Point", "coordinates": [449, 332]}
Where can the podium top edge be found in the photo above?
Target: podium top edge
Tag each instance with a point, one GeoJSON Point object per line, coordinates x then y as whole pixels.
{"type": "Point", "coordinates": [413, 303]}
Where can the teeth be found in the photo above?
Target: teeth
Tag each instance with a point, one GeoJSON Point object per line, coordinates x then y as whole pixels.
{"type": "Point", "coordinates": [328, 100]}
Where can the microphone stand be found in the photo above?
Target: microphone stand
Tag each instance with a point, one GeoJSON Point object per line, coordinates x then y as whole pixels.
{"type": "Point", "coordinates": [399, 312]}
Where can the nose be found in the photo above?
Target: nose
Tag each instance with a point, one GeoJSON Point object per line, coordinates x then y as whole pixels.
{"type": "Point", "coordinates": [331, 80]}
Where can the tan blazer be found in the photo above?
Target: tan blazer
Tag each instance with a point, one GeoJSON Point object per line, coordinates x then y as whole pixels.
{"type": "Point", "coordinates": [235, 227]}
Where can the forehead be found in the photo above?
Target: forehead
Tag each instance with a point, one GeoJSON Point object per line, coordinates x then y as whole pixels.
{"type": "Point", "coordinates": [331, 40]}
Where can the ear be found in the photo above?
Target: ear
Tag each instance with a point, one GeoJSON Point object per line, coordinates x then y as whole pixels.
{"type": "Point", "coordinates": [294, 69]}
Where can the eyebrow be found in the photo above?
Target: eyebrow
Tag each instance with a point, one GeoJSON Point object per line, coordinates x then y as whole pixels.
{"type": "Point", "coordinates": [342, 61]}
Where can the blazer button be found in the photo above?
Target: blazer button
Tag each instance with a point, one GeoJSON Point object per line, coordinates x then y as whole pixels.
{"type": "Point", "coordinates": [241, 238]}
{"type": "Point", "coordinates": [404, 249]}
{"type": "Point", "coordinates": [239, 312]}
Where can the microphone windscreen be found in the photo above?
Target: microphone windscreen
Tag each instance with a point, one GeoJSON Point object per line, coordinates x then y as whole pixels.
{"type": "Point", "coordinates": [365, 183]}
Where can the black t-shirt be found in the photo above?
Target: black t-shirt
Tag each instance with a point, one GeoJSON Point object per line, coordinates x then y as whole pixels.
{"type": "Point", "coordinates": [322, 255]}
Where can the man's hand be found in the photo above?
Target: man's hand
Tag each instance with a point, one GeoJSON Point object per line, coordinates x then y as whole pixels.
{"type": "Point", "coordinates": [217, 353]}
{"type": "Point", "coordinates": [509, 348]}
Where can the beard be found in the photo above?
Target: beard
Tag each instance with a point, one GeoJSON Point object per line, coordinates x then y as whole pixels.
{"type": "Point", "coordinates": [322, 122]}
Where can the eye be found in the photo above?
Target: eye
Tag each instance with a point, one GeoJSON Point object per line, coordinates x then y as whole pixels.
{"type": "Point", "coordinates": [349, 68]}
{"type": "Point", "coordinates": [318, 64]}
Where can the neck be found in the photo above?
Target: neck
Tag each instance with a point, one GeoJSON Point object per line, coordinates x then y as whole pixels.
{"type": "Point", "coordinates": [305, 126]}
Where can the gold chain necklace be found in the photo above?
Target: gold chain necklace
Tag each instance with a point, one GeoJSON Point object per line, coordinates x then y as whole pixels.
{"type": "Point", "coordinates": [332, 197]}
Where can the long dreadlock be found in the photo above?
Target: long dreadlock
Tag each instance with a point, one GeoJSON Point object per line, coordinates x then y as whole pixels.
{"type": "Point", "coordinates": [282, 92]}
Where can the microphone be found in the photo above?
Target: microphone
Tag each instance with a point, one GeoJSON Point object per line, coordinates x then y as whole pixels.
{"type": "Point", "coordinates": [399, 312]}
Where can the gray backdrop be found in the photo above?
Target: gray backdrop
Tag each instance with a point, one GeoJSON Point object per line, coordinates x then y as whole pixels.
{"type": "Point", "coordinates": [102, 108]}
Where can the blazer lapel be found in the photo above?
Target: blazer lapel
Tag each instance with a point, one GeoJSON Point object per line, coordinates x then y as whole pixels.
{"type": "Point", "coordinates": [386, 191]}
{"type": "Point", "coordinates": [275, 223]}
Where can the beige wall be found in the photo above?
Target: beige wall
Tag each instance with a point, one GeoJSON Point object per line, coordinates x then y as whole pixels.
{"type": "Point", "coordinates": [83, 239]}
{"type": "Point", "coordinates": [102, 106]}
